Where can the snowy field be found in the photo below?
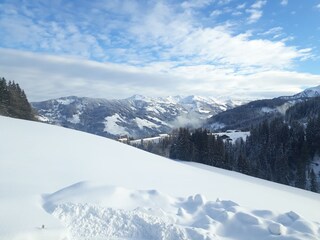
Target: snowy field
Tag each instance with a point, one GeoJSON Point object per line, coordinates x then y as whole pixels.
{"type": "Point", "coordinates": [56, 183]}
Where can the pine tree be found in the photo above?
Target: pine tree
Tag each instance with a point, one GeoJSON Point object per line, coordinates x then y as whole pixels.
{"type": "Point", "coordinates": [243, 165]}
{"type": "Point", "coordinates": [313, 182]}
{"type": "Point", "coordinates": [13, 101]}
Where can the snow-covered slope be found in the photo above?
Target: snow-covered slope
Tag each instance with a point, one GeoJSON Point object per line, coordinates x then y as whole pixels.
{"type": "Point", "coordinates": [137, 116]}
{"type": "Point", "coordinates": [81, 186]}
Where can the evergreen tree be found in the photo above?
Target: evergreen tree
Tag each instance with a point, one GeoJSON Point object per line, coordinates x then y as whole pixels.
{"type": "Point", "coordinates": [182, 148]}
{"type": "Point", "coordinates": [13, 101]}
{"type": "Point", "coordinates": [313, 182]}
{"type": "Point", "coordinates": [243, 165]}
{"type": "Point", "coordinates": [313, 135]}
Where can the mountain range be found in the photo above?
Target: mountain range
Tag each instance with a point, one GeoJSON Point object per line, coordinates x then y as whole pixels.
{"type": "Point", "coordinates": [141, 116]}
{"type": "Point", "coordinates": [137, 116]}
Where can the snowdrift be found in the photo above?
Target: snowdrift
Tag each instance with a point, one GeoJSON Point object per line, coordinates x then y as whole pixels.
{"type": "Point", "coordinates": [57, 183]}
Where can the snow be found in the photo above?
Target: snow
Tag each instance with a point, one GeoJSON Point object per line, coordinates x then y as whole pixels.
{"type": "Point", "coordinates": [42, 118]}
{"type": "Point", "coordinates": [157, 120]}
{"type": "Point", "coordinates": [75, 118]}
{"type": "Point", "coordinates": [138, 97]}
{"type": "Point", "coordinates": [154, 215]}
{"type": "Point", "coordinates": [81, 186]}
{"type": "Point", "coordinates": [112, 127]}
{"type": "Point", "coordinates": [200, 110]}
{"type": "Point", "coordinates": [65, 101]}
{"type": "Point", "coordinates": [234, 135]}
{"type": "Point", "coordinates": [141, 123]}
{"type": "Point", "coordinates": [156, 108]}
{"type": "Point", "coordinates": [311, 92]}
{"type": "Point", "coordinates": [151, 139]}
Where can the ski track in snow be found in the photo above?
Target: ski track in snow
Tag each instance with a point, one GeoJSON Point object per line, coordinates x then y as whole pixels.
{"type": "Point", "coordinates": [146, 215]}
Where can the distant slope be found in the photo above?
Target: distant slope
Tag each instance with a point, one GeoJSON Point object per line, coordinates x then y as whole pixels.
{"type": "Point", "coordinates": [41, 163]}
{"type": "Point", "coordinates": [137, 116]}
{"type": "Point", "coordinates": [304, 110]}
{"type": "Point", "coordinates": [252, 113]}
{"type": "Point", "coordinates": [244, 116]}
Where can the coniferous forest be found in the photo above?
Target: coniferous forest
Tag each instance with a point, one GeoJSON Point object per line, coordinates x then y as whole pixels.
{"type": "Point", "coordinates": [280, 149]}
{"type": "Point", "coordinates": [13, 101]}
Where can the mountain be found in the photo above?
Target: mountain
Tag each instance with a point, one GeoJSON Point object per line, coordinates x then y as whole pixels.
{"type": "Point", "coordinates": [61, 184]}
{"type": "Point", "coordinates": [137, 116]}
{"type": "Point", "coordinates": [307, 93]}
{"type": "Point", "coordinates": [252, 113]}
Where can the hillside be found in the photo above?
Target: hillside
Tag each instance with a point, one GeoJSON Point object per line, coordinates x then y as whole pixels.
{"type": "Point", "coordinates": [255, 112]}
{"type": "Point", "coordinates": [58, 183]}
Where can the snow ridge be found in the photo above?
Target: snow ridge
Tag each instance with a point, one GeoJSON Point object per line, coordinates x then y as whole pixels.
{"type": "Point", "coordinates": [168, 218]}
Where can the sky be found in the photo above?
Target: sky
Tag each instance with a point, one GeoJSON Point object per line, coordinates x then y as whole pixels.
{"type": "Point", "coordinates": [115, 49]}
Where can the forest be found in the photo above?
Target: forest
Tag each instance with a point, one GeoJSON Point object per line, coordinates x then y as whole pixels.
{"type": "Point", "coordinates": [280, 149]}
{"type": "Point", "coordinates": [13, 101]}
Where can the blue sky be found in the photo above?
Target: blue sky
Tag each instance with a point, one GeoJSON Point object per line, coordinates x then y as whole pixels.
{"type": "Point", "coordinates": [114, 49]}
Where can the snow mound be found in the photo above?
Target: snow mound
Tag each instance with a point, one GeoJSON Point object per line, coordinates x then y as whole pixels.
{"type": "Point", "coordinates": [89, 211]}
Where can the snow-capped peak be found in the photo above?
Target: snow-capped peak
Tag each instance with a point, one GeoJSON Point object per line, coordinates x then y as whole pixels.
{"type": "Point", "coordinates": [310, 92]}
{"type": "Point", "coordinates": [307, 93]}
{"type": "Point", "coordinates": [138, 97]}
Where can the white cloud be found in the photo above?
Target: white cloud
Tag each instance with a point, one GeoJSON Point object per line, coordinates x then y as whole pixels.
{"type": "Point", "coordinates": [273, 31]}
{"type": "Point", "coordinates": [196, 3]}
{"type": "Point", "coordinates": [284, 2]}
{"type": "Point", "coordinates": [222, 48]}
{"type": "Point", "coordinates": [259, 4]}
{"type": "Point", "coordinates": [224, 2]}
{"type": "Point", "coordinates": [152, 33]}
{"type": "Point", "coordinates": [255, 15]}
{"type": "Point", "coordinates": [44, 77]}
{"type": "Point", "coordinates": [277, 33]}
{"type": "Point", "coordinates": [255, 11]}
{"type": "Point", "coordinates": [216, 13]}
{"type": "Point", "coordinates": [318, 6]}
{"type": "Point", "coordinates": [241, 6]}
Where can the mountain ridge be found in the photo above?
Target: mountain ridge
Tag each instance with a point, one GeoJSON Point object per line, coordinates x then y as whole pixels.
{"type": "Point", "coordinates": [252, 113]}
{"type": "Point", "coordinates": [136, 116]}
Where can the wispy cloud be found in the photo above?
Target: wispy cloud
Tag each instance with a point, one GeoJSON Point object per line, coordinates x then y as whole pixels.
{"type": "Point", "coordinates": [259, 4]}
{"type": "Point", "coordinates": [255, 11]}
{"type": "Point", "coordinates": [196, 3]}
{"type": "Point", "coordinates": [241, 6]}
{"type": "Point", "coordinates": [284, 2]}
{"type": "Point", "coordinates": [127, 32]}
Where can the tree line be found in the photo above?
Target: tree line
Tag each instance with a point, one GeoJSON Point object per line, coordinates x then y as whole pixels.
{"type": "Point", "coordinates": [13, 101]}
